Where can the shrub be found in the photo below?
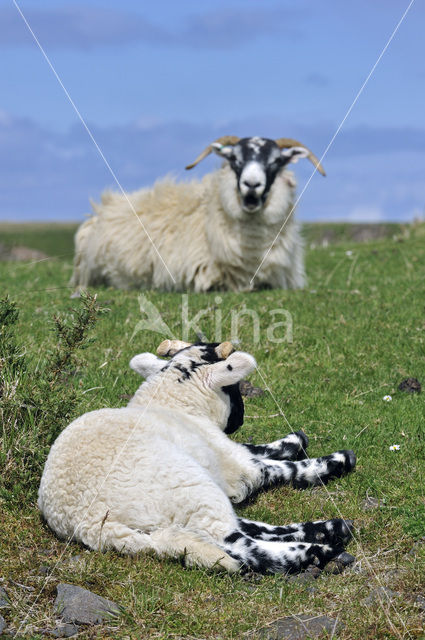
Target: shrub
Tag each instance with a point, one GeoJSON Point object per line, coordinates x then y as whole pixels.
{"type": "Point", "coordinates": [36, 405]}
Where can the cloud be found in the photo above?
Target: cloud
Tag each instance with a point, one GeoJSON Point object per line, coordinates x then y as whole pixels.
{"type": "Point", "coordinates": [80, 27]}
{"type": "Point", "coordinates": [317, 79]}
{"type": "Point", "coordinates": [75, 27]}
{"type": "Point", "coordinates": [231, 27]}
{"type": "Point", "coordinates": [50, 175]}
{"type": "Point", "coordinates": [363, 139]}
{"type": "Point", "coordinates": [365, 213]}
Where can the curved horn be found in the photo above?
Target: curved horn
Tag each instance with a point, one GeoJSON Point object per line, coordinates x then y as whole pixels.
{"type": "Point", "coordinates": [170, 347]}
{"type": "Point", "coordinates": [224, 350]}
{"type": "Point", "coordinates": [224, 140]}
{"type": "Point", "coordinates": [287, 143]}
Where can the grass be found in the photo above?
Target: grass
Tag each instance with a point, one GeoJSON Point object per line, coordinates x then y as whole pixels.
{"type": "Point", "coordinates": [358, 330]}
{"type": "Point", "coordinates": [52, 238]}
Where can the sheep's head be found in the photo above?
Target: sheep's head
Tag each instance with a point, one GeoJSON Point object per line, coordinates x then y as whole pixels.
{"type": "Point", "coordinates": [201, 378]}
{"type": "Point", "coordinates": [256, 162]}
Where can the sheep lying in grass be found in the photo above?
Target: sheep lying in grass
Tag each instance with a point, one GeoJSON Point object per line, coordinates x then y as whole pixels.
{"type": "Point", "coordinates": [204, 235]}
{"type": "Point", "coordinates": [160, 475]}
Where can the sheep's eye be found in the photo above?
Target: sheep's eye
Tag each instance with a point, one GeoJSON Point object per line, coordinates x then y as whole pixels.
{"type": "Point", "coordinates": [276, 163]}
{"type": "Point", "coordinates": [236, 165]}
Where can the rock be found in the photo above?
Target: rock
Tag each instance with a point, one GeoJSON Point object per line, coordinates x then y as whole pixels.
{"type": "Point", "coordinates": [309, 575]}
{"type": "Point", "coordinates": [380, 594]}
{"type": "Point", "coordinates": [417, 547]}
{"type": "Point", "coordinates": [44, 570]}
{"type": "Point", "coordinates": [77, 560]}
{"type": "Point", "coordinates": [20, 254]}
{"type": "Point", "coordinates": [315, 571]}
{"type": "Point", "coordinates": [248, 390]}
{"type": "Point", "coordinates": [61, 631]}
{"type": "Point", "coordinates": [298, 628]}
{"type": "Point", "coordinates": [302, 578]}
{"type": "Point", "coordinates": [419, 602]}
{"type": "Point", "coordinates": [392, 575]}
{"type": "Point", "coordinates": [410, 385]}
{"type": "Point", "coordinates": [345, 558]}
{"type": "Point", "coordinates": [80, 606]}
{"type": "Point", "coordinates": [251, 576]}
{"type": "Point", "coordinates": [2, 624]}
{"type": "Point", "coordinates": [372, 503]}
{"type": "Point", "coordinates": [4, 600]}
{"type": "Point", "coordinates": [339, 563]}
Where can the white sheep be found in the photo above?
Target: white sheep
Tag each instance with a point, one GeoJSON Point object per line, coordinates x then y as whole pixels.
{"type": "Point", "coordinates": [160, 474]}
{"type": "Point", "coordinates": [204, 235]}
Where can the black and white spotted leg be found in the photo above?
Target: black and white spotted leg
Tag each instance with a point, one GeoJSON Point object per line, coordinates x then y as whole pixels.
{"type": "Point", "coordinates": [304, 473]}
{"type": "Point", "coordinates": [265, 556]}
{"type": "Point", "coordinates": [292, 447]}
{"type": "Point", "coordinates": [336, 532]}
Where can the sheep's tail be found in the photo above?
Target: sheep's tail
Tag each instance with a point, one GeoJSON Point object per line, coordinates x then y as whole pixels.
{"type": "Point", "coordinates": [192, 547]}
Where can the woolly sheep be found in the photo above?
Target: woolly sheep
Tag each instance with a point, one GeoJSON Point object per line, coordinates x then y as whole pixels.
{"type": "Point", "coordinates": [233, 230]}
{"type": "Point", "coordinates": [160, 474]}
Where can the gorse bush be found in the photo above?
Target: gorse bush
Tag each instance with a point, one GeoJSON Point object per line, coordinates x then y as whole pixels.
{"type": "Point", "coordinates": [35, 405]}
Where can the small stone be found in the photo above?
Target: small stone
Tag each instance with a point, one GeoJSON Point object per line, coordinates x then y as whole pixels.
{"type": "Point", "coordinates": [4, 600]}
{"type": "Point", "coordinates": [333, 568]}
{"type": "Point", "coordinates": [392, 575]}
{"type": "Point", "coordinates": [313, 570]}
{"type": "Point", "coordinates": [380, 594]}
{"type": "Point", "coordinates": [2, 624]}
{"type": "Point", "coordinates": [251, 576]}
{"type": "Point", "coordinates": [302, 578]}
{"type": "Point", "coordinates": [420, 602]}
{"type": "Point", "coordinates": [417, 547]}
{"type": "Point", "coordinates": [44, 570]}
{"type": "Point", "coordinates": [345, 558]}
{"type": "Point", "coordinates": [410, 385]}
{"type": "Point", "coordinates": [61, 631]}
{"type": "Point", "coordinates": [371, 503]}
{"type": "Point", "coordinates": [248, 390]}
{"type": "Point", "coordinates": [298, 628]}
{"type": "Point", "coordinates": [80, 606]}
{"type": "Point", "coordinates": [339, 563]}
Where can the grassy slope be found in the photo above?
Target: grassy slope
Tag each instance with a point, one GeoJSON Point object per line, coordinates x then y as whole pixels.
{"type": "Point", "coordinates": [358, 331]}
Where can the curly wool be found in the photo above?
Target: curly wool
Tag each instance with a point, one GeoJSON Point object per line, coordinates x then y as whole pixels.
{"type": "Point", "coordinates": [194, 233]}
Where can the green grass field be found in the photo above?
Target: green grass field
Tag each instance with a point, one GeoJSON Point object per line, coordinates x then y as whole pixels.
{"type": "Point", "coordinates": [358, 331]}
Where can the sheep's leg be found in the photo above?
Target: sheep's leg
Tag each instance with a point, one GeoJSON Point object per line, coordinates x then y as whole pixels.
{"type": "Point", "coordinates": [194, 548]}
{"type": "Point", "coordinates": [264, 556]}
{"type": "Point", "coordinates": [334, 532]}
{"type": "Point", "coordinates": [300, 474]}
{"type": "Point", "coordinates": [291, 447]}
{"type": "Point", "coordinates": [304, 473]}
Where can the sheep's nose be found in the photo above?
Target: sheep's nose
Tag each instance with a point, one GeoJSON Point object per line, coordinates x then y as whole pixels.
{"type": "Point", "coordinates": [251, 185]}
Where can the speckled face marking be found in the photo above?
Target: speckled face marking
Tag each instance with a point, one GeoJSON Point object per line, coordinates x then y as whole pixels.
{"type": "Point", "coordinates": [256, 163]}
{"type": "Point", "coordinates": [190, 358]}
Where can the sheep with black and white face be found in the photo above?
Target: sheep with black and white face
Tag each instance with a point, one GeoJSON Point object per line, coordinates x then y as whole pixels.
{"type": "Point", "coordinates": [232, 230]}
{"type": "Point", "coordinates": [256, 162]}
{"type": "Point", "coordinates": [160, 474]}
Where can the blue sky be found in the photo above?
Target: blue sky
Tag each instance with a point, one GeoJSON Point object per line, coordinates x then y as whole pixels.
{"type": "Point", "coordinates": [156, 82]}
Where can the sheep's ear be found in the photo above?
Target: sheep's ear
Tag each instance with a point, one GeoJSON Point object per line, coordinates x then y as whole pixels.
{"type": "Point", "coordinates": [230, 371]}
{"type": "Point", "coordinates": [146, 364]}
{"type": "Point", "coordinates": [223, 150]}
{"type": "Point", "coordinates": [293, 154]}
